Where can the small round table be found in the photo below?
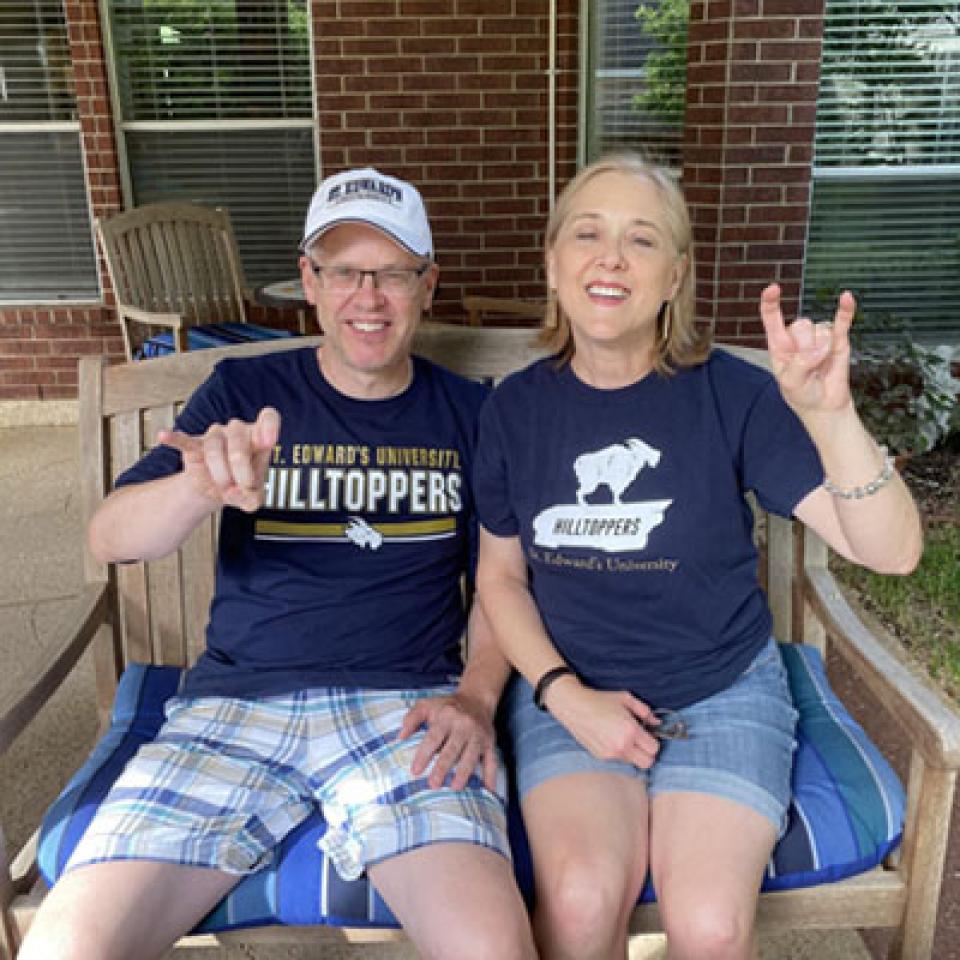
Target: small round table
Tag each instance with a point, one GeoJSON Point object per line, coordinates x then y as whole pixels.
{"type": "Point", "coordinates": [286, 295]}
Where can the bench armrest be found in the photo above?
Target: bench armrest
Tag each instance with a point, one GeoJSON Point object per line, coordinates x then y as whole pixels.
{"type": "Point", "coordinates": [150, 317]}
{"type": "Point", "coordinates": [87, 612]}
{"type": "Point", "coordinates": [930, 724]}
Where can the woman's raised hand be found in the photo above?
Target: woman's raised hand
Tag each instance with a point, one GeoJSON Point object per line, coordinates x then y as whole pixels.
{"type": "Point", "coordinates": [811, 361]}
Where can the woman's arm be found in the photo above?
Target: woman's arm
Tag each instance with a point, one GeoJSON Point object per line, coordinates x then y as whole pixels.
{"type": "Point", "coordinates": [811, 362]}
{"type": "Point", "coordinates": [608, 724]}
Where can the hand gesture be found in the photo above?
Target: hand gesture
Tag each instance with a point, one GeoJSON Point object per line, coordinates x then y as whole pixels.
{"type": "Point", "coordinates": [811, 361]}
{"type": "Point", "coordinates": [228, 464]}
{"type": "Point", "coordinates": [459, 735]}
{"type": "Point", "coordinates": [610, 724]}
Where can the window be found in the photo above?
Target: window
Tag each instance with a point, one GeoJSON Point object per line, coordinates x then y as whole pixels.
{"type": "Point", "coordinates": [215, 107]}
{"type": "Point", "coordinates": [637, 65]}
{"type": "Point", "coordinates": [46, 241]}
{"type": "Point", "coordinates": [885, 216]}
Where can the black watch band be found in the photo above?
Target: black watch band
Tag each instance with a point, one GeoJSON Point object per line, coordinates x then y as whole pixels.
{"type": "Point", "coordinates": [540, 690]}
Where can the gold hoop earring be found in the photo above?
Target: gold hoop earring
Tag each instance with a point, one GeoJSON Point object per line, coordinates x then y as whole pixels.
{"type": "Point", "coordinates": [666, 315]}
{"type": "Point", "coordinates": [551, 315]}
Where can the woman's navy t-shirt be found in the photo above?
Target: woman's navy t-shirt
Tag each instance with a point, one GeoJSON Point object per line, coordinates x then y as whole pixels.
{"type": "Point", "coordinates": [350, 574]}
{"type": "Point", "coordinates": [630, 509]}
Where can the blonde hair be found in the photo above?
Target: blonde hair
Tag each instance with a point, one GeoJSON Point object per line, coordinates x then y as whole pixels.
{"type": "Point", "coordinates": [679, 342]}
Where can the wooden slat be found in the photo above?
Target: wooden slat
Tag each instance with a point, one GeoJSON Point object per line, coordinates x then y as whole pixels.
{"type": "Point", "coordinates": [164, 579]}
{"type": "Point", "coordinates": [780, 556]}
{"type": "Point", "coordinates": [924, 852]}
{"type": "Point", "coordinates": [132, 592]}
{"type": "Point", "coordinates": [472, 351]}
{"type": "Point", "coordinates": [94, 454]}
{"type": "Point", "coordinates": [814, 558]}
{"type": "Point", "coordinates": [873, 899]}
{"type": "Point", "coordinates": [198, 558]}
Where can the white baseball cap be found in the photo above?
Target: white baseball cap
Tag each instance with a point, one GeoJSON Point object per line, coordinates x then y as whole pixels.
{"type": "Point", "coordinates": [368, 196]}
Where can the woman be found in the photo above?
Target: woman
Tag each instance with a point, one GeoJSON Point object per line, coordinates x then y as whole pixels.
{"type": "Point", "coordinates": [618, 569]}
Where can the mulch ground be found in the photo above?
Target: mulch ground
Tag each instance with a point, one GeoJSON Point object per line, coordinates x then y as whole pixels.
{"type": "Point", "coordinates": [935, 481]}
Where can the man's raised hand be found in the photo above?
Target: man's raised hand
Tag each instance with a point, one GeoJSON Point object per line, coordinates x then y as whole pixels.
{"type": "Point", "coordinates": [228, 464]}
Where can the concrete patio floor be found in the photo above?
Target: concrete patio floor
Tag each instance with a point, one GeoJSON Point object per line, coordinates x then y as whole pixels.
{"type": "Point", "coordinates": [40, 568]}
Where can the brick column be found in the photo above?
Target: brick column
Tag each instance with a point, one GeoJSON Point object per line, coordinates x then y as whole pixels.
{"type": "Point", "coordinates": [452, 95]}
{"type": "Point", "coordinates": [752, 76]}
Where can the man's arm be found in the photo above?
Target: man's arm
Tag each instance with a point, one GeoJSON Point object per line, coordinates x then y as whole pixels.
{"type": "Point", "coordinates": [226, 466]}
{"type": "Point", "coordinates": [460, 732]}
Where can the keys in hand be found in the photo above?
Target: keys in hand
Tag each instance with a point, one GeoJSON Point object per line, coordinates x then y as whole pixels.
{"type": "Point", "coordinates": [666, 725]}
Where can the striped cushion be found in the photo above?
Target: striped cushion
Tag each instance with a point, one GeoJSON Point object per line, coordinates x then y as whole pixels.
{"type": "Point", "coordinates": [209, 335]}
{"type": "Point", "coordinates": [846, 814]}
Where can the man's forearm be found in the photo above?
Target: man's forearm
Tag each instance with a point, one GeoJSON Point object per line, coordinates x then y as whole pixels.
{"type": "Point", "coordinates": [146, 521]}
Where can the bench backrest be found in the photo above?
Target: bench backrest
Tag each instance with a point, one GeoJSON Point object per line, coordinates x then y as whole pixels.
{"type": "Point", "coordinates": [162, 605]}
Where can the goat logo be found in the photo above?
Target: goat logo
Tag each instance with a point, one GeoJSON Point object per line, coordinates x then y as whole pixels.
{"type": "Point", "coordinates": [360, 533]}
{"type": "Point", "coordinates": [613, 526]}
{"type": "Point", "coordinates": [615, 466]}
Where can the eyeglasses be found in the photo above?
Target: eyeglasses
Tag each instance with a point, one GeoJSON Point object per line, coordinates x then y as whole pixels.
{"type": "Point", "coordinates": [671, 726]}
{"type": "Point", "coordinates": [395, 280]}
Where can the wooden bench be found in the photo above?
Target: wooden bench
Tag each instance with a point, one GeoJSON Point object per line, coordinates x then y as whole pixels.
{"type": "Point", "coordinates": [156, 613]}
{"type": "Point", "coordinates": [502, 310]}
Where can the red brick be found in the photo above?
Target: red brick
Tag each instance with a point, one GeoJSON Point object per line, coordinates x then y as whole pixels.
{"type": "Point", "coordinates": [765, 28]}
{"type": "Point", "coordinates": [792, 51]}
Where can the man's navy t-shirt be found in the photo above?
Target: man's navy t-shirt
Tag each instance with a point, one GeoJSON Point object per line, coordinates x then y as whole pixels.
{"type": "Point", "coordinates": [350, 574]}
{"type": "Point", "coordinates": [630, 509]}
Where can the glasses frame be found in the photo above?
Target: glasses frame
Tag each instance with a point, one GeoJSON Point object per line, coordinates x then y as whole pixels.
{"type": "Point", "coordinates": [415, 274]}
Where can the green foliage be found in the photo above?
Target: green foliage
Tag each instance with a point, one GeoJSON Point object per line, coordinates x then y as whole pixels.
{"type": "Point", "coordinates": [180, 59]}
{"type": "Point", "coordinates": [923, 610]}
{"type": "Point", "coordinates": [888, 73]}
{"type": "Point", "coordinates": [665, 69]}
{"type": "Point", "coordinates": [904, 390]}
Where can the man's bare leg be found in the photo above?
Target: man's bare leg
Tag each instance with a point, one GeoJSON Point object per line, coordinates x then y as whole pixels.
{"type": "Point", "coordinates": [121, 909]}
{"type": "Point", "coordinates": [457, 901]}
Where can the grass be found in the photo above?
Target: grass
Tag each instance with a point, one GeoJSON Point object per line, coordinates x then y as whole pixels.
{"type": "Point", "coordinates": [922, 610]}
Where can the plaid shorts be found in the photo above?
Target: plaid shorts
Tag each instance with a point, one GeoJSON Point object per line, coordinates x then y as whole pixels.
{"type": "Point", "coordinates": [226, 779]}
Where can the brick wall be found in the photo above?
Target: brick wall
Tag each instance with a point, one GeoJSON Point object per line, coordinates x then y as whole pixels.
{"type": "Point", "coordinates": [40, 346]}
{"type": "Point", "coordinates": [451, 94]}
{"type": "Point", "coordinates": [453, 97]}
{"type": "Point", "coordinates": [752, 76]}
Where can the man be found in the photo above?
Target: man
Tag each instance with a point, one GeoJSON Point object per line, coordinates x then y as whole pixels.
{"type": "Point", "coordinates": [329, 675]}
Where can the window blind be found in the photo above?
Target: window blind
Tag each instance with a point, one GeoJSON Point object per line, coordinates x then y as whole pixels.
{"type": "Point", "coordinates": [885, 214]}
{"type": "Point", "coordinates": [265, 181]}
{"type": "Point", "coordinates": [216, 108]}
{"type": "Point", "coordinates": [637, 77]}
{"type": "Point", "coordinates": [46, 241]}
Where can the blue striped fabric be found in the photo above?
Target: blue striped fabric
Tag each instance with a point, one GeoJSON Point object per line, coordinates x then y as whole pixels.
{"type": "Point", "coordinates": [845, 817]}
{"type": "Point", "coordinates": [209, 335]}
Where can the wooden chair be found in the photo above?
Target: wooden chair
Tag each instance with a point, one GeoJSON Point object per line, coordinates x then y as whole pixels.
{"type": "Point", "coordinates": [501, 309]}
{"type": "Point", "coordinates": [173, 266]}
{"type": "Point", "coordinates": [155, 613]}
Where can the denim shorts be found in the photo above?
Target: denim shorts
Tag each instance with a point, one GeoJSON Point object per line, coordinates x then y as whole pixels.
{"type": "Point", "coordinates": [740, 746]}
{"type": "Point", "coordinates": [226, 779]}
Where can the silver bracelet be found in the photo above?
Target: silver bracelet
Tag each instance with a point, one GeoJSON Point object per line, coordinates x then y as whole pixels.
{"type": "Point", "coordinates": [868, 489]}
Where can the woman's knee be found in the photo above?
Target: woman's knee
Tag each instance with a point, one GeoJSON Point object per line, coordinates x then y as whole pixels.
{"type": "Point", "coordinates": [709, 931]}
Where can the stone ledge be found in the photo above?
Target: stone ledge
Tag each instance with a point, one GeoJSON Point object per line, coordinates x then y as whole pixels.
{"type": "Point", "coordinates": [38, 413]}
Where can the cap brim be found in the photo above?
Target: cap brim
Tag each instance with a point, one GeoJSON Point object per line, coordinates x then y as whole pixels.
{"type": "Point", "coordinates": [305, 243]}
